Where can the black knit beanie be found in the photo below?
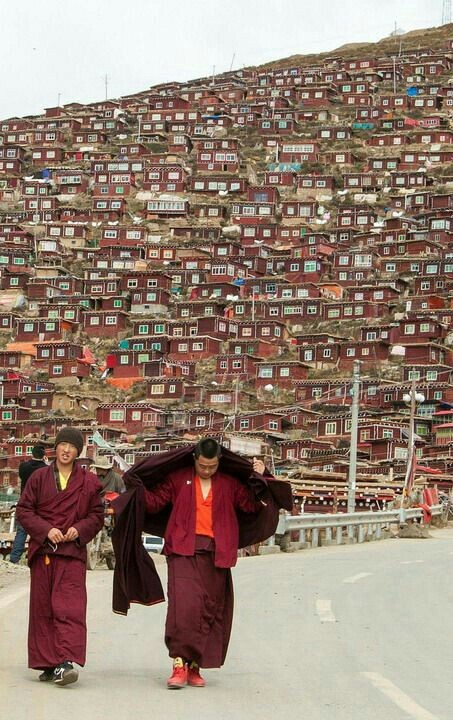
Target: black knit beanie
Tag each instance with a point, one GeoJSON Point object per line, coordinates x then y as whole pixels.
{"type": "Point", "coordinates": [70, 435]}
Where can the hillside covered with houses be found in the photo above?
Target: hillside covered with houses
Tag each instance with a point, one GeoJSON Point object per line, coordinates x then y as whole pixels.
{"type": "Point", "coordinates": [213, 256]}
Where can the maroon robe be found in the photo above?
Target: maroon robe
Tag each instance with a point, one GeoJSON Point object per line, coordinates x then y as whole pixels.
{"type": "Point", "coordinates": [57, 620]}
{"type": "Point", "coordinates": [200, 586]}
{"type": "Point", "coordinates": [200, 609]}
{"type": "Point", "coordinates": [200, 589]}
{"type": "Point", "coordinates": [135, 577]}
{"type": "Point", "coordinates": [228, 496]}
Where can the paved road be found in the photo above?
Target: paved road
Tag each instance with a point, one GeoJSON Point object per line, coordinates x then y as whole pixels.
{"type": "Point", "coordinates": [359, 632]}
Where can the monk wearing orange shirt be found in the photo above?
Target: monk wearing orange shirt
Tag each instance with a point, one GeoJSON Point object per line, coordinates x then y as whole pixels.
{"type": "Point", "coordinates": [201, 544]}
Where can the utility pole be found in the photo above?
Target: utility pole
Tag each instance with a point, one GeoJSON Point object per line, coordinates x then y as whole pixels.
{"type": "Point", "coordinates": [410, 436]}
{"type": "Point", "coordinates": [106, 83]}
{"type": "Point", "coordinates": [413, 398]}
{"type": "Point", "coordinates": [236, 401]}
{"type": "Point", "coordinates": [236, 398]}
{"type": "Point", "coordinates": [355, 392]}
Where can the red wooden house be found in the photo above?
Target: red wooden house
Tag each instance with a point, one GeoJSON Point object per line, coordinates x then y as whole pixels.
{"type": "Point", "coordinates": [315, 183]}
{"type": "Point", "coordinates": [12, 159]}
{"type": "Point", "coordinates": [201, 420]}
{"type": "Point", "coordinates": [131, 418]}
{"type": "Point", "coordinates": [296, 209]}
{"type": "Point", "coordinates": [298, 152]}
{"type": "Point", "coordinates": [264, 421]}
{"type": "Point", "coordinates": [218, 155]}
{"type": "Point", "coordinates": [193, 348]}
{"type": "Point", "coordinates": [269, 330]}
{"type": "Point", "coordinates": [259, 347]}
{"type": "Point", "coordinates": [165, 178]}
{"type": "Point", "coordinates": [44, 155]}
{"type": "Point", "coordinates": [108, 209]}
{"type": "Point", "coordinates": [43, 329]}
{"type": "Point", "coordinates": [162, 367]}
{"type": "Point", "coordinates": [113, 184]}
{"type": "Point", "coordinates": [170, 389]}
{"type": "Point", "coordinates": [416, 330]}
{"type": "Point", "coordinates": [104, 323]}
{"type": "Point", "coordinates": [61, 361]}
{"type": "Point", "coordinates": [133, 361]}
{"type": "Point", "coordinates": [422, 353]}
{"type": "Point", "coordinates": [167, 206]}
{"type": "Point", "coordinates": [280, 374]}
{"type": "Point", "coordinates": [238, 367]}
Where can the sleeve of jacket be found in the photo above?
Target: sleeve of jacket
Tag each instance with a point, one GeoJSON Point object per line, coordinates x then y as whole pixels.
{"type": "Point", "coordinates": [157, 498]}
{"type": "Point", "coordinates": [89, 526]}
{"type": "Point", "coordinates": [244, 499]}
{"type": "Point", "coordinates": [26, 513]}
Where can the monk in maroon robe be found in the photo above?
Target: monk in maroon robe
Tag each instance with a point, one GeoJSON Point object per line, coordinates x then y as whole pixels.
{"type": "Point", "coordinates": [203, 507]}
{"type": "Point", "coordinates": [61, 509]}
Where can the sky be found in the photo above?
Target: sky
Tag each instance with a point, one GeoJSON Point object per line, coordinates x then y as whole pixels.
{"type": "Point", "coordinates": [55, 51]}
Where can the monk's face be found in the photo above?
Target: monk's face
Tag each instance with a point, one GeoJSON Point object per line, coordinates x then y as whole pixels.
{"type": "Point", "coordinates": [206, 467]}
{"type": "Point", "coordinates": [66, 453]}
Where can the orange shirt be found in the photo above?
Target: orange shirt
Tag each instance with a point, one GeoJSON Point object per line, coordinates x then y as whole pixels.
{"type": "Point", "coordinates": [203, 523]}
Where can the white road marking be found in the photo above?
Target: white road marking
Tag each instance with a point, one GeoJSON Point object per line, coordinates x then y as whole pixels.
{"type": "Point", "coordinates": [410, 562]}
{"type": "Point", "coordinates": [324, 611]}
{"type": "Point", "coordinates": [398, 697]}
{"type": "Point", "coordinates": [354, 578]}
{"type": "Point", "coordinates": [12, 597]}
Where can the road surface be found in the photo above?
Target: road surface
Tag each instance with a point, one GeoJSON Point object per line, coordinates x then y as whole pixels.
{"type": "Point", "coordinates": [342, 633]}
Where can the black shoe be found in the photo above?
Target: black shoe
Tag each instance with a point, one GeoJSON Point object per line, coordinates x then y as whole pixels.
{"type": "Point", "coordinates": [47, 675]}
{"type": "Point", "coordinates": [65, 673]}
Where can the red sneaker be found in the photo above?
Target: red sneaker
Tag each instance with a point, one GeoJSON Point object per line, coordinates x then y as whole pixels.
{"type": "Point", "coordinates": [193, 676]}
{"type": "Point", "coordinates": [178, 678]}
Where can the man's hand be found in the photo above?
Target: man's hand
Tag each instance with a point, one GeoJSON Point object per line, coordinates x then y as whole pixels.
{"type": "Point", "coordinates": [258, 466]}
{"type": "Point", "coordinates": [71, 534]}
{"type": "Point", "coordinates": [55, 536]}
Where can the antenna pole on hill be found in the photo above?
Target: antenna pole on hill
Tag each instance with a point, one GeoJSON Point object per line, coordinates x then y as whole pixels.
{"type": "Point", "coordinates": [355, 391]}
{"type": "Point", "coordinates": [106, 83]}
{"type": "Point", "coordinates": [446, 12]}
{"type": "Point", "coordinates": [232, 61]}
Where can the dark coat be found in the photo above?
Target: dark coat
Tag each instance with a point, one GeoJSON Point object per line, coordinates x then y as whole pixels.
{"type": "Point", "coordinates": [26, 468]}
{"type": "Point", "coordinates": [135, 576]}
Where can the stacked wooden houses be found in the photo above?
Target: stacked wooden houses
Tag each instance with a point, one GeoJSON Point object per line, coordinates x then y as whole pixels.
{"type": "Point", "coordinates": [212, 257]}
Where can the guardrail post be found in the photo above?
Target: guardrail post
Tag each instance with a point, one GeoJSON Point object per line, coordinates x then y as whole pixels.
{"type": "Point", "coordinates": [351, 533]}
{"type": "Point", "coordinates": [315, 537]}
{"type": "Point", "coordinates": [361, 534]}
{"type": "Point", "coordinates": [378, 533]}
{"type": "Point", "coordinates": [339, 535]}
{"type": "Point", "coordinates": [328, 536]}
{"type": "Point", "coordinates": [302, 538]}
{"type": "Point", "coordinates": [12, 521]}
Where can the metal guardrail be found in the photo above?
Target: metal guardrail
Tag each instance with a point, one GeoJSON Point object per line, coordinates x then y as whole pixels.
{"type": "Point", "coordinates": [7, 517]}
{"type": "Point", "coordinates": [369, 525]}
